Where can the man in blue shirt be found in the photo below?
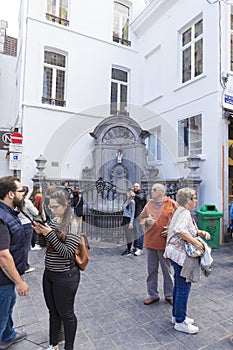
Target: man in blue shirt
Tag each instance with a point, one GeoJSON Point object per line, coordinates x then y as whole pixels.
{"type": "Point", "coordinates": [12, 258]}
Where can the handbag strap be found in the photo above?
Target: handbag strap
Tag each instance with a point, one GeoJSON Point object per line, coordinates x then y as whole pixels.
{"type": "Point", "coordinates": [27, 216]}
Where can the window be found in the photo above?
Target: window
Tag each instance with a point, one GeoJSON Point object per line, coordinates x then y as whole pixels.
{"type": "Point", "coordinates": [119, 91]}
{"type": "Point", "coordinates": [190, 136]}
{"type": "Point", "coordinates": [192, 51]}
{"type": "Point", "coordinates": [54, 78]}
{"type": "Point", "coordinates": [57, 11]}
{"type": "Point", "coordinates": [153, 143]}
{"type": "Point", "coordinates": [121, 24]}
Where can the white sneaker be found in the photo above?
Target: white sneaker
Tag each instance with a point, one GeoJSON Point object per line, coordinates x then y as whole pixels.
{"type": "Point", "coordinates": [138, 252]}
{"type": "Point", "coordinates": [31, 269]}
{"type": "Point", "coordinates": [187, 320]}
{"type": "Point", "coordinates": [37, 247]}
{"type": "Point", "coordinates": [52, 347]}
{"type": "Point", "coordinates": [186, 327]}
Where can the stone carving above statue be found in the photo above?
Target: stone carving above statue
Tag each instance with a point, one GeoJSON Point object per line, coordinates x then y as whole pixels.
{"type": "Point", "coordinates": [118, 135]}
{"type": "Point", "coordinates": [152, 171]}
{"type": "Point", "coordinates": [87, 172]}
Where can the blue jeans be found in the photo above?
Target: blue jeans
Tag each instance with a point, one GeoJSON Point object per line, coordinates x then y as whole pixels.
{"type": "Point", "coordinates": [138, 243]}
{"type": "Point", "coordinates": [7, 302]}
{"type": "Point", "coordinates": [181, 292]}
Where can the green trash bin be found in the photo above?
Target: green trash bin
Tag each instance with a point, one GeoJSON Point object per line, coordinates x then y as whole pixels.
{"type": "Point", "coordinates": [209, 220]}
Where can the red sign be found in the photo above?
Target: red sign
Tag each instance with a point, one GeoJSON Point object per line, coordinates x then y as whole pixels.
{"type": "Point", "coordinates": [16, 137]}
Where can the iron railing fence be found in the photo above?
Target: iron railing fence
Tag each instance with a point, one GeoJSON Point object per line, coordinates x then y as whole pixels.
{"type": "Point", "coordinates": [102, 209]}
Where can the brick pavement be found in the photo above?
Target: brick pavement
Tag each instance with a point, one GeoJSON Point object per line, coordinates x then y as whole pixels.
{"type": "Point", "coordinates": [110, 310]}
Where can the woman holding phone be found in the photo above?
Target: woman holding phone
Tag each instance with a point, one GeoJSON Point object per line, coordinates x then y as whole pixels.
{"type": "Point", "coordinates": [61, 275]}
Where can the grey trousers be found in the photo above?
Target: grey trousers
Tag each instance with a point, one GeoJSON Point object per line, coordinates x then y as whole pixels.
{"type": "Point", "coordinates": [154, 257]}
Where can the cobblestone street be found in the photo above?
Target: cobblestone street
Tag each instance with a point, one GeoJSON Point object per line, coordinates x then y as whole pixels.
{"type": "Point", "coordinates": [110, 310]}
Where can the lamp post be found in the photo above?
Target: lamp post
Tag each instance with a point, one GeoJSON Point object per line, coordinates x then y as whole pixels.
{"type": "Point", "coordinates": [39, 177]}
{"type": "Point", "coordinates": [193, 180]}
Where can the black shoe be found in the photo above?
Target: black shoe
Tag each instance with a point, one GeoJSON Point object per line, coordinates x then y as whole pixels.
{"type": "Point", "coordinates": [169, 301]}
{"type": "Point", "coordinates": [18, 337]}
{"type": "Point", "coordinates": [126, 252]}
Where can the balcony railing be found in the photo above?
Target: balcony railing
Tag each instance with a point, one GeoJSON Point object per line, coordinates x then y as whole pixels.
{"type": "Point", "coordinates": [56, 19]}
{"type": "Point", "coordinates": [122, 41]}
{"type": "Point", "coordinates": [53, 101]}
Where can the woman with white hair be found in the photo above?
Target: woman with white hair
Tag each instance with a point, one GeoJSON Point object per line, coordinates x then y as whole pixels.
{"type": "Point", "coordinates": [182, 229]}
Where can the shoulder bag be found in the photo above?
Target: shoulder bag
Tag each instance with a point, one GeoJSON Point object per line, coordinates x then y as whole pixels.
{"type": "Point", "coordinates": [192, 251]}
{"type": "Point", "coordinates": [81, 255]}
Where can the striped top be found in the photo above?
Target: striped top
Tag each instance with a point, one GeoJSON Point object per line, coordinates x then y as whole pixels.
{"type": "Point", "coordinates": [59, 259]}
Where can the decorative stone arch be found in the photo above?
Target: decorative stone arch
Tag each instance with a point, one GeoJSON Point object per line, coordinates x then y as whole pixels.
{"type": "Point", "coordinates": [119, 123]}
{"type": "Point", "coordinates": [119, 155]}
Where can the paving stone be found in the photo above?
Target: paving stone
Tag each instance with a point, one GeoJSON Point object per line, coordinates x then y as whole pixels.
{"type": "Point", "coordinates": [110, 310]}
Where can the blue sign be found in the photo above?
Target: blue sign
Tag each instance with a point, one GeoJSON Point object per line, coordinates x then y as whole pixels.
{"type": "Point", "coordinates": [228, 99]}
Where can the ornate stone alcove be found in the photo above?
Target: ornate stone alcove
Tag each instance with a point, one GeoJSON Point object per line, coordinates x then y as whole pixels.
{"type": "Point", "coordinates": [119, 155]}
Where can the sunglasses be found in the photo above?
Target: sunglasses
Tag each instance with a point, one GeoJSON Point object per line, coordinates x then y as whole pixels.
{"type": "Point", "coordinates": [22, 191]}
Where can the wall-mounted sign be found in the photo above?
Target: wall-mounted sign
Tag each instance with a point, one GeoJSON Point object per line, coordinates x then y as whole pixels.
{"type": "Point", "coordinates": [5, 139]}
{"type": "Point", "coordinates": [15, 147]}
{"type": "Point", "coordinates": [228, 99]}
{"type": "Point", "coordinates": [16, 137]}
{"type": "Point", "coordinates": [15, 161]}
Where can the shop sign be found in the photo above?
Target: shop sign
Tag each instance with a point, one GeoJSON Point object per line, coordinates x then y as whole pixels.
{"type": "Point", "coordinates": [5, 139]}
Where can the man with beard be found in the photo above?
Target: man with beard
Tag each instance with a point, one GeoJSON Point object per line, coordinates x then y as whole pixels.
{"type": "Point", "coordinates": [12, 258]}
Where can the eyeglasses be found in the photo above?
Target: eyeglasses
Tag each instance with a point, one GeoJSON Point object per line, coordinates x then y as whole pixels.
{"type": "Point", "coordinates": [193, 199]}
{"type": "Point", "coordinates": [54, 206]}
{"type": "Point", "coordinates": [22, 190]}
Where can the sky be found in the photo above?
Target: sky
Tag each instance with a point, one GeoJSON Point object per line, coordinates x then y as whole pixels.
{"type": "Point", "coordinates": [9, 10]}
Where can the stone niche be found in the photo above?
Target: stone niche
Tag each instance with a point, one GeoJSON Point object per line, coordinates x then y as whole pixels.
{"type": "Point", "coordinates": [119, 155]}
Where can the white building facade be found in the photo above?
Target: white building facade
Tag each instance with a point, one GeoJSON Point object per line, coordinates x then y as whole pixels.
{"type": "Point", "coordinates": [188, 76]}
{"type": "Point", "coordinates": [65, 70]}
{"type": "Point", "coordinates": [167, 64]}
{"type": "Point", "coordinates": [8, 111]}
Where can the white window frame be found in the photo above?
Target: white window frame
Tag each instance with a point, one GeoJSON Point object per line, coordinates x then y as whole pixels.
{"type": "Point", "coordinates": [190, 141]}
{"type": "Point", "coordinates": [153, 144]}
{"type": "Point", "coordinates": [121, 16]}
{"type": "Point", "coordinates": [119, 83]}
{"type": "Point", "coordinates": [191, 44]}
{"type": "Point", "coordinates": [54, 17]}
{"type": "Point", "coordinates": [54, 78]}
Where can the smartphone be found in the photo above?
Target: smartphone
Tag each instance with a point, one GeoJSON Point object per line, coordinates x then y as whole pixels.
{"type": "Point", "coordinates": [27, 216]}
{"type": "Point", "coordinates": [40, 222]}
